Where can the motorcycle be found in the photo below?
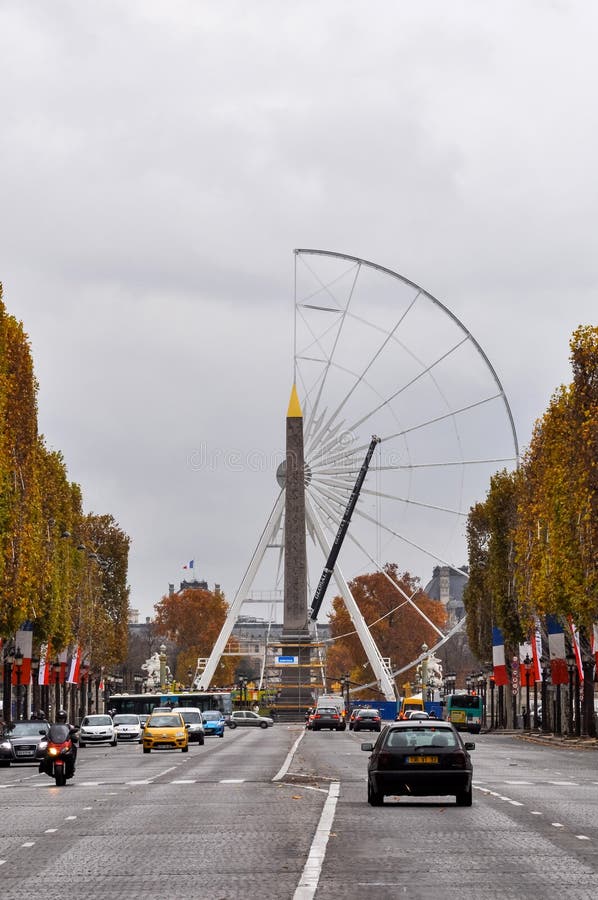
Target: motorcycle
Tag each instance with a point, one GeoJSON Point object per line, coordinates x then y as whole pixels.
{"type": "Point", "coordinates": [59, 760]}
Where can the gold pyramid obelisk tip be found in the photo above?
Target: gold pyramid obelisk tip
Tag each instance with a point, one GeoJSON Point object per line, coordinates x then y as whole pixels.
{"type": "Point", "coordinates": [294, 410]}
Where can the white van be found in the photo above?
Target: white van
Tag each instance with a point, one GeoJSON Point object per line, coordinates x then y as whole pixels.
{"type": "Point", "coordinates": [338, 702]}
{"type": "Point", "coordinates": [193, 720]}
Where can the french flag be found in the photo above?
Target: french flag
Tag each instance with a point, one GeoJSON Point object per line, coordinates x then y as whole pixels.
{"type": "Point", "coordinates": [190, 565]}
{"type": "Point", "coordinates": [498, 657]}
{"type": "Point", "coordinates": [63, 659]}
{"type": "Point", "coordinates": [24, 643]}
{"type": "Point", "coordinates": [556, 648]}
{"type": "Point", "coordinates": [595, 642]}
{"type": "Point", "coordinates": [73, 677]}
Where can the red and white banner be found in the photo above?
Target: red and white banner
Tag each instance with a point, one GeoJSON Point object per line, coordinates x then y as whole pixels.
{"type": "Point", "coordinates": [498, 658]}
{"type": "Point", "coordinates": [537, 650]}
{"type": "Point", "coordinates": [63, 660]}
{"type": "Point", "coordinates": [594, 642]}
{"type": "Point", "coordinates": [45, 664]}
{"type": "Point", "coordinates": [23, 642]}
{"type": "Point", "coordinates": [73, 676]}
{"type": "Point", "coordinates": [576, 647]}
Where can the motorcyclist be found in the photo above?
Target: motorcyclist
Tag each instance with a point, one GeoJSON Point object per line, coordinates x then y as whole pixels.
{"type": "Point", "coordinates": [62, 719]}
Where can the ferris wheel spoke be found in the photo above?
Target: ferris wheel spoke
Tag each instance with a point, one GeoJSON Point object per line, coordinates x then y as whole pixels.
{"type": "Point", "coordinates": [448, 463]}
{"type": "Point", "coordinates": [410, 501]}
{"type": "Point", "coordinates": [412, 381]}
{"type": "Point", "coordinates": [389, 336]}
{"type": "Point", "coordinates": [405, 540]}
{"type": "Point", "coordinates": [434, 421]}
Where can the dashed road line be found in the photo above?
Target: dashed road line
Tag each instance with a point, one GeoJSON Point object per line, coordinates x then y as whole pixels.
{"type": "Point", "coordinates": [557, 824]}
{"type": "Point", "coordinates": [582, 837]}
{"type": "Point", "coordinates": [231, 781]}
{"type": "Point", "coordinates": [28, 844]}
{"type": "Point", "coordinates": [50, 830]}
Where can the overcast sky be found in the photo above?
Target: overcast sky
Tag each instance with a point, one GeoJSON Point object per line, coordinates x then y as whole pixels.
{"type": "Point", "coordinates": [159, 161]}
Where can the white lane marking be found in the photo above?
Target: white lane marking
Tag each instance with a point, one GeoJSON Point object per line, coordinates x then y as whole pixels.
{"type": "Point", "coordinates": [515, 803]}
{"type": "Point", "coordinates": [183, 781]}
{"type": "Point", "coordinates": [519, 782]}
{"type": "Point", "coordinates": [165, 772]}
{"type": "Point", "coordinates": [557, 824]}
{"type": "Point", "coordinates": [138, 782]}
{"type": "Point", "coordinates": [582, 837]}
{"type": "Point", "coordinates": [28, 844]}
{"type": "Point", "coordinates": [69, 818]}
{"type": "Point", "coordinates": [564, 783]}
{"type": "Point", "coordinates": [285, 766]}
{"type": "Point", "coordinates": [310, 876]}
{"type": "Point", "coordinates": [50, 830]}
{"type": "Point", "coordinates": [231, 781]}
{"type": "Point", "coordinates": [90, 783]}
{"type": "Point", "coordinates": [2, 861]}
{"type": "Point", "coordinates": [88, 807]}
{"type": "Point", "coordinates": [535, 813]}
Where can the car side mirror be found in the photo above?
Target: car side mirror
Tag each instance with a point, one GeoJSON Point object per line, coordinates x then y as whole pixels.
{"type": "Point", "coordinates": [42, 731]}
{"type": "Point", "coordinates": [367, 746]}
{"type": "Point", "coordinates": [470, 745]}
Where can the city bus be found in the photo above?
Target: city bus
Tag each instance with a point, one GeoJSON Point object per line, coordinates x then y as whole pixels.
{"type": "Point", "coordinates": [464, 711]}
{"type": "Point", "coordinates": [144, 704]}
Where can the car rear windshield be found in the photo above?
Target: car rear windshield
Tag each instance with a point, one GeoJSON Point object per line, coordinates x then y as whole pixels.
{"type": "Point", "coordinates": [422, 737]}
{"type": "Point", "coordinates": [126, 720]}
{"type": "Point", "coordinates": [190, 717]}
{"type": "Point", "coordinates": [211, 716]}
{"type": "Point", "coordinates": [164, 722]}
{"type": "Point", "coordinates": [325, 711]}
{"type": "Point", "coordinates": [367, 713]}
{"type": "Point", "coordinates": [97, 720]}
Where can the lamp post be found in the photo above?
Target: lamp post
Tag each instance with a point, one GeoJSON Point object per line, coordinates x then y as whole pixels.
{"type": "Point", "coordinates": [424, 671]}
{"type": "Point", "coordinates": [34, 684]}
{"type": "Point", "coordinates": [56, 670]}
{"type": "Point", "coordinates": [243, 691]}
{"type": "Point", "coordinates": [492, 686]}
{"type": "Point", "coordinates": [190, 674]}
{"type": "Point", "coordinates": [9, 658]}
{"type": "Point", "coordinates": [527, 664]}
{"type": "Point", "coordinates": [19, 668]}
{"type": "Point", "coordinates": [570, 657]}
{"type": "Point", "coordinates": [83, 689]}
{"type": "Point", "coordinates": [545, 682]}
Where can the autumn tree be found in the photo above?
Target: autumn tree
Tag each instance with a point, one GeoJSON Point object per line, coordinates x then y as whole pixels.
{"type": "Point", "coordinates": [396, 627]}
{"type": "Point", "coordinates": [192, 619]}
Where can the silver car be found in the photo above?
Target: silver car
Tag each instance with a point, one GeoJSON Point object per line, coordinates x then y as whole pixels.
{"type": "Point", "coordinates": [127, 727]}
{"type": "Point", "coordinates": [244, 717]}
{"type": "Point", "coordinates": [22, 742]}
{"type": "Point", "coordinates": [97, 730]}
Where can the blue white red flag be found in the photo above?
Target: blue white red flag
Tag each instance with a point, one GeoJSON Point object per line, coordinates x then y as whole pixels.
{"type": "Point", "coordinates": [24, 643]}
{"type": "Point", "coordinates": [498, 657]}
{"type": "Point", "coordinates": [556, 648]}
{"type": "Point", "coordinates": [190, 564]}
{"type": "Point", "coordinates": [594, 642]}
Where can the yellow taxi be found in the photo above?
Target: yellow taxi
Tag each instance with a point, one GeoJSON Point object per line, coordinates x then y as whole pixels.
{"type": "Point", "coordinates": [165, 731]}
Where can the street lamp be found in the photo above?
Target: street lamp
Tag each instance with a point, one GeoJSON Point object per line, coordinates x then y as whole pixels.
{"type": "Point", "coordinates": [545, 663]}
{"type": "Point", "coordinates": [19, 668]}
{"type": "Point", "coordinates": [424, 670]}
{"type": "Point", "coordinates": [243, 691]}
{"type": "Point", "coordinates": [56, 670]}
{"type": "Point", "coordinates": [34, 685]}
{"type": "Point", "coordinates": [190, 674]}
{"type": "Point", "coordinates": [492, 687]}
{"type": "Point", "coordinates": [527, 664]}
{"type": "Point", "coordinates": [570, 657]}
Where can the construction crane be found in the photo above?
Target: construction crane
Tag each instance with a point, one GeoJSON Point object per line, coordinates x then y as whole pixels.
{"type": "Point", "coordinates": [316, 603]}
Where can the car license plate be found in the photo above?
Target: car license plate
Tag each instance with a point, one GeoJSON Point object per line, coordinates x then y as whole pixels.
{"type": "Point", "coordinates": [25, 752]}
{"type": "Point", "coordinates": [163, 746]}
{"type": "Point", "coordinates": [422, 759]}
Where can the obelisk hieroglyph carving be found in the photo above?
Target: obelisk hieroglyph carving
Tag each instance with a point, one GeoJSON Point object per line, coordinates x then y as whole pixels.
{"type": "Point", "coordinates": [295, 559]}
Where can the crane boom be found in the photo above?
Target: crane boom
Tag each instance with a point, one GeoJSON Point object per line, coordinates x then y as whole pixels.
{"type": "Point", "coordinates": [316, 603]}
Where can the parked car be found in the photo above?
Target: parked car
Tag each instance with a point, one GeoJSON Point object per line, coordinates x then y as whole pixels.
{"type": "Point", "coordinates": [97, 729]}
{"type": "Point", "coordinates": [247, 718]}
{"type": "Point", "coordinates": [213, 722]}
{"type": "Point", "coordinates": [419, 758]}
{"type": "Point", "coordinates": [366, 719]}
{"type": "Point", "coordinates": [328, 717]}
{"type": "Point", "coordinates": [165, 731]}
{"type": "Point", "coordinates": [127, 727]}
{"type": "Point", "coordinates": [21, 742]}
{"type": "Point", "coordinates": [191, 716]}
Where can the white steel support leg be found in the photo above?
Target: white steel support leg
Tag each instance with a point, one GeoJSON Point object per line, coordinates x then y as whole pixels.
{"type": "Point", "coordinates": [363, 632]}
{"type": "Point", "coordinates": [268, 534]}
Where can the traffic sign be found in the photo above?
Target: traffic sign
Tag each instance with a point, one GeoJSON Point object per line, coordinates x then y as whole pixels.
{"type": "Point", "coordinates": [286, 660]}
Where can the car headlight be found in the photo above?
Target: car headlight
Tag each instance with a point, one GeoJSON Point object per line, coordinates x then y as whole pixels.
{"type": "Point", "coordinates": [5, 745]}
{"type": "Point", "coordinates": [180, 734]}
{"type": "Point", "coordinates": [42, 745]}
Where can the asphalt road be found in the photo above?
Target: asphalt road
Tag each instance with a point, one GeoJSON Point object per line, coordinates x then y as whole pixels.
{"type": "Point", "coordinates": [258, 815]}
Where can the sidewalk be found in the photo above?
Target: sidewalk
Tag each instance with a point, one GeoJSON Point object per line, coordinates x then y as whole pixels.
{"type": "Point", "coordinates": [549, 739]}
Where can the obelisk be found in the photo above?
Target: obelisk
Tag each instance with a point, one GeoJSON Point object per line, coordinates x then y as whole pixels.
{"type": "Point", "coordinates": [295, 693]}
{"type": "Point", "coordinates": [295, 560]}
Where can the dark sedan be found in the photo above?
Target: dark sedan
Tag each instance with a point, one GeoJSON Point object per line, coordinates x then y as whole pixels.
{"type": "Point", "coordinates": [21, 742]}
{"type": "Point", "coordinates": [419, 758]}
{"type": "Point", "coordinates": [366, 720]}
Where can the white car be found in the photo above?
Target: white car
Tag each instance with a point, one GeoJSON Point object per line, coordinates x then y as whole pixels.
{"type": "Point", "coordinates": [193, 722]}
{"type": "Point", "coordinates": [97, 730]}
{"type": "Point", "coordinates": [127, 728]}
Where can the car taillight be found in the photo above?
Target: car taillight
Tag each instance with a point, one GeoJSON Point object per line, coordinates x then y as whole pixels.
{"type": "Point", "coordinates": [317, 716]}
{"type": "Point", "coordinates": [376, 718]}
{"type": "Point", "coordinates": [335, 716]}
{"type": "Point", "coordinates": [456, 760]}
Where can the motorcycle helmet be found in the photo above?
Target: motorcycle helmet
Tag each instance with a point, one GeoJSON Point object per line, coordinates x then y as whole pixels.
{"type": "Point", "coordinates": [61, 716]}
{"type": "Point", "coordinates": [41, 715]}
